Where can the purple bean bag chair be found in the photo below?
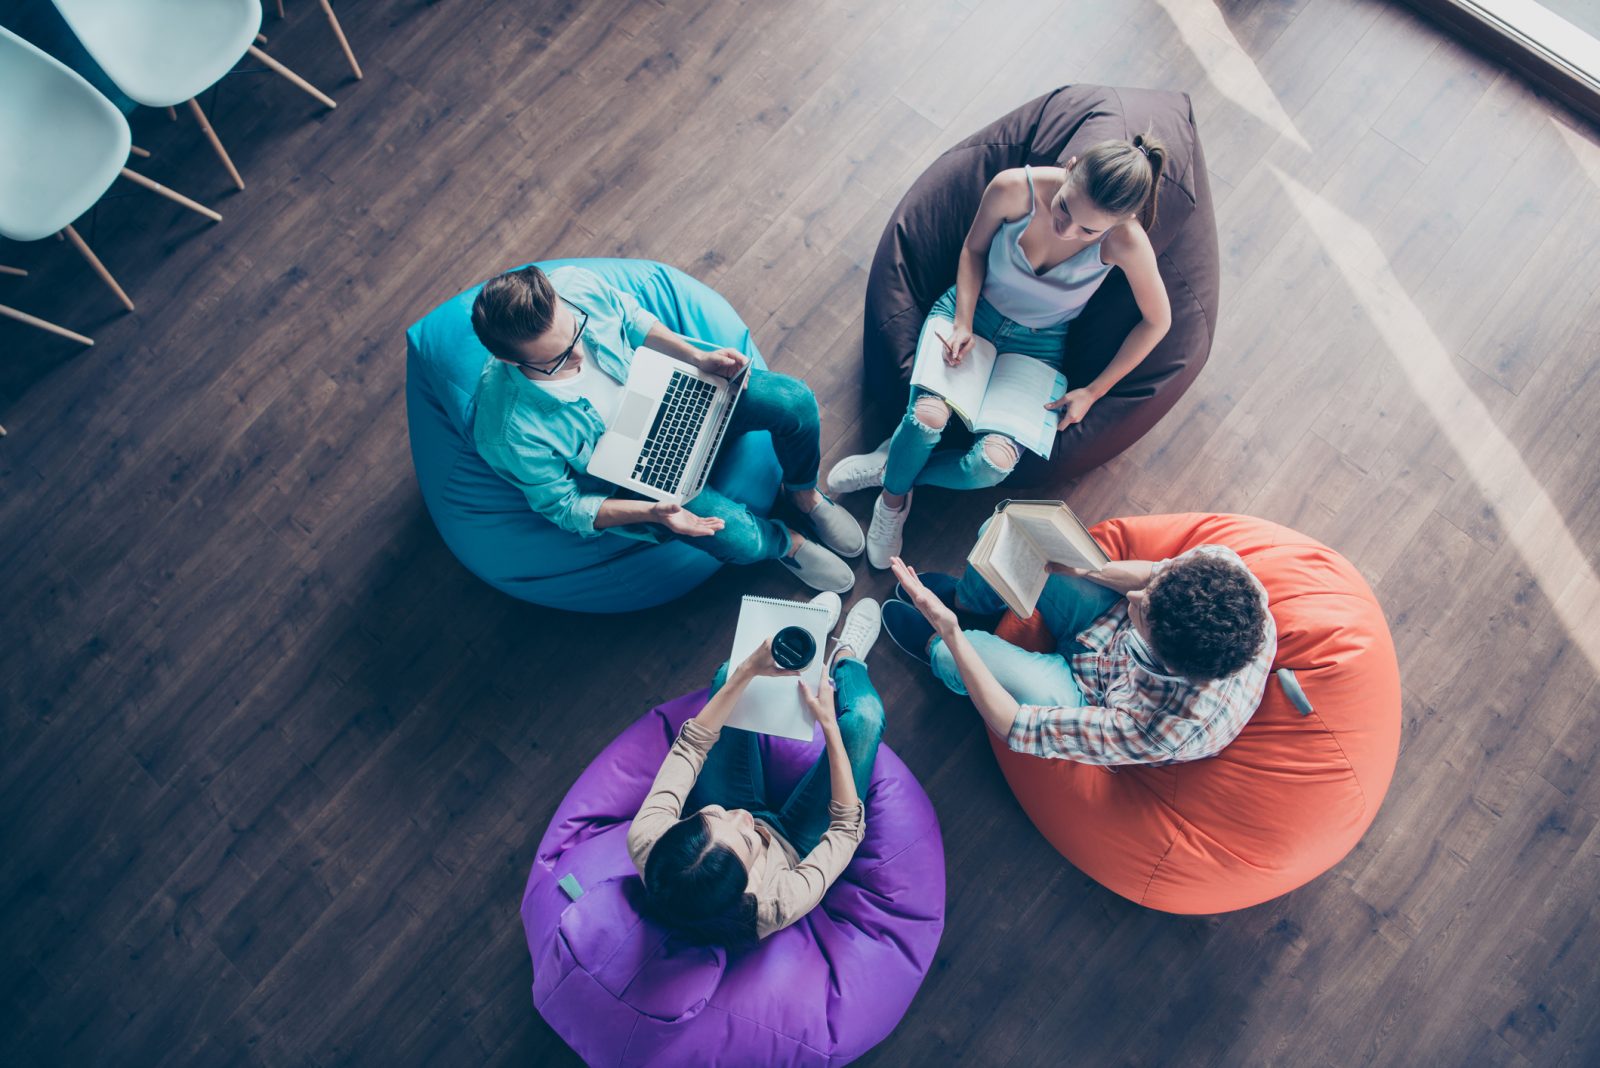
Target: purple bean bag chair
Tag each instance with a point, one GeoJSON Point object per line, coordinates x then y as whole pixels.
{"type": "Point", "coordinates": [622, 991]}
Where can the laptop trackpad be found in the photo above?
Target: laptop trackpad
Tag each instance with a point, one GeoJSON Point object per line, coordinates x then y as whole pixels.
{"type": "Point", "coordinates": [633, 417]}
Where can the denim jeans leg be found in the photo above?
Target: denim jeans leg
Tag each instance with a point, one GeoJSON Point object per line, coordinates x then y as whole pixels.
{"type": "Point", "coordinates": [909, 449]}
{"type": "Point", "coordinates": [732, 775]}
{"type": "Point", "coordinates": [975, 594]}
{"type": "Point", "coordinates": [786, 408]}
{"type": "Point", "coordinates": [745, 538]}
{"type": "Point", "coordinates": [953, 469]}
{"type": "Point", "coordinates": [913, 442]}
{"type": "Point", "coordinates": [1069, 605]}
{"type": "Point", "coordinates": [1030, 678]}
{"type": "Point", "coordinates": [804, 817]}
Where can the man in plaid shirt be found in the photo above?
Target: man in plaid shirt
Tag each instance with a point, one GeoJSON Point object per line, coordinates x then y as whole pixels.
{"type": "Point", "coordinates": [1158, 662]}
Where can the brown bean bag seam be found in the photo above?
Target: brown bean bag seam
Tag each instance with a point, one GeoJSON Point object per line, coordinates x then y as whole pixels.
{"type": "Point", "coordinates": [900, 314]}
{"type": "Point", "coordinates": [1171, 176]}
{"type": "Point", "coordinates": [1182, 279]}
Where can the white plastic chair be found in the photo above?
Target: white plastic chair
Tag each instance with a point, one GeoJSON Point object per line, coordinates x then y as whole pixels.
{"type": "Point", "coordinates": [62, 145]}
{"type": "Point", "coordinates": [338, 33]}
{"type": "Point", "coordinates": [162, 53]}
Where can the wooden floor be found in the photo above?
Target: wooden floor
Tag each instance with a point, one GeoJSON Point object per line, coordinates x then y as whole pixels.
{"type": "Point", "coordinates": [274, 764]}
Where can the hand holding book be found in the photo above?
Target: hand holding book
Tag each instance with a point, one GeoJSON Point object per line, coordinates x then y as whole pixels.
{"type": "Point", "coordinates": [1071, 407]}
{"type": "Point", "coordinates": [1123, 576]}
{"type": "Point", "coordinates": [1026, 542]}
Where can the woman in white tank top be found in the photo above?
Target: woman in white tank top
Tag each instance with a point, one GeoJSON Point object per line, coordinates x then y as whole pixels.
{"type": "Point", "coordinates": [1043, 240]}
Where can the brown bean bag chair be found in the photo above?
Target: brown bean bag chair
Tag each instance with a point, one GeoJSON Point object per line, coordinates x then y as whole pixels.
{"type": "Point", "coordinates": [916, 262]}
{"type": "Point", "coordinates": [1291, 795]}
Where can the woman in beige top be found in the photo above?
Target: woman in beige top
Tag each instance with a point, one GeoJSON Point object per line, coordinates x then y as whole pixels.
{"type": "Point", "coordinates": [736, 870]}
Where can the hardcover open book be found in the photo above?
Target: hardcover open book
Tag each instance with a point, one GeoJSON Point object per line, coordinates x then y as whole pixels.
{"type": "Point", "coordinates": [1023, 537]}
{"type": "Point", "coordinates": [1000, 393]}
{"type": "Point", "coordinates": [772, 705]}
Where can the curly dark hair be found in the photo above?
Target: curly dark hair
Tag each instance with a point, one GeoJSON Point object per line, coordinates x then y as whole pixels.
{"type": "Point", "coordinates": [1206, 617]}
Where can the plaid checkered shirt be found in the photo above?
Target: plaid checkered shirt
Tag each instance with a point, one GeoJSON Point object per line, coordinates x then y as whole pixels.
{"type": "Point", "coordinates": [1136, 715]}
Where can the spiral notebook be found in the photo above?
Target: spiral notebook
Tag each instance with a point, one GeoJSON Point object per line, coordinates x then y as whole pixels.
{"type": "Point", "coordinates": [773, 705]}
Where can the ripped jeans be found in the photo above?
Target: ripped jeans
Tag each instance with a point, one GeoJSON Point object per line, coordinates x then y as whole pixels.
{"type": "Point", "coordinates": [913, 460]}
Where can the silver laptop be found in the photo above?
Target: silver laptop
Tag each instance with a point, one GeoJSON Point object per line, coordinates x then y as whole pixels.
{"type": "Point", "coordinates": [667, 429]}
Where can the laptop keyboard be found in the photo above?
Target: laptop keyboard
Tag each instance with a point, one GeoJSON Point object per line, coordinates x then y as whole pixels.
{"type": "Point", "coordinates": [671, 439]}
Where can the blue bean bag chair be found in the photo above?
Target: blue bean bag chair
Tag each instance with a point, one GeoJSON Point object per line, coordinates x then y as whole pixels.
{"type": "Point", "coordinates": [486, 521]}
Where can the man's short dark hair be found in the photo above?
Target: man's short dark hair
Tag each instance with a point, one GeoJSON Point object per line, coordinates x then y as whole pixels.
{"type": "Point", "coordinates": [512, 308]}
{"type": "Point", "coordinates": [1206, 617]}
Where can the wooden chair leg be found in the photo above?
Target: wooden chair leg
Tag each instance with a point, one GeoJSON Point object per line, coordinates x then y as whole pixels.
{"type": "Point", "coordinates": [322, 98]}
{"type": "Point", "coordinates": [280, 9]}
{"type": "Point", "coordinates": [18, 271]}
{"type": "Point", "coordinates": [175, 197]}
{"type": "Point", "coordinates": [59, 331]}
{"type": "Point", "coordinates": [99, 268]}
{"type": "Point", "coordinates": [142, 153]}
{"type": "Point", "coordinates": [216, 142]}
{"type": "Point", "coordinates": [172, 114]}
{"type": "Point", "coordinates": [333, 21]}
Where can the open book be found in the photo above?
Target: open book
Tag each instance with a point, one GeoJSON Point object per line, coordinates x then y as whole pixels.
{"type": "Point", "coordinates": [772, 705]}
{"type": "Point", "coordinates": [1023, 537]}
{"type": "Point", "coordinates": [993, 393]}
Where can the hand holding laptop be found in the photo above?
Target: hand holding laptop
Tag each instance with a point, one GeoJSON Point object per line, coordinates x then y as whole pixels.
{"type": "Point", "coordinates": [725, 362]}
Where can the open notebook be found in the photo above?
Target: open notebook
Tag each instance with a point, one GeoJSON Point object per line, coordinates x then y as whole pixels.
{"type": "Point", "coordinates": [774, 705]}
{"type": "Point", "coordinates": [992, 392]}
{"type": "Point", "coordinates": [1022, 538]}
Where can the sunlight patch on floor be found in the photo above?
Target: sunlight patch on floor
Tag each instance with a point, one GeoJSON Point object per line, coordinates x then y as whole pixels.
{"type": "Point", "coordinates": [1533, 523]}
{"type": "Point", "coordinates": [1585, 151]}
{"type": "Point", "coordinates": [1228, 65]}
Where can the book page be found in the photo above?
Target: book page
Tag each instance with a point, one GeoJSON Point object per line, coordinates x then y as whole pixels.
{"type": "Point", "coordinates": [1060, 535]}
{"type": "Point", "coordinates": [1019, 389]}
{"type": "Point", "coordinates": [963, 386]}
{"type": "Point", "coordinates": [772, 705]}
{"type": "Point", "coordinates": [1019, 563]}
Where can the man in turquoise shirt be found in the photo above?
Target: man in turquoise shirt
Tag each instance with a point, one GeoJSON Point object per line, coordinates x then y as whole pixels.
{"type": "Point", "coordinates": [561, 345]}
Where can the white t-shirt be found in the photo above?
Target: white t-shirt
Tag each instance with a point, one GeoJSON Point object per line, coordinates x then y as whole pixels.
{"type": "Point", "coordinates": [601, 390]}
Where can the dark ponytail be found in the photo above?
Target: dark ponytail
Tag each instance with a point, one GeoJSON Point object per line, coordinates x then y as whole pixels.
{"type": "Point", "coordinates": [697, 888]}
{"type": "Point", "coordinates": [1124, 177]}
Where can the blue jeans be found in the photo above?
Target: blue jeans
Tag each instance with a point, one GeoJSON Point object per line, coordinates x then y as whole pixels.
{"type": "Point", "coordinates": [733, 777]}
{"type": "Point", "coordinates": [786, 408]}
{"type": "Point", "coordinates": [912, 460]}
{"type": "Point", "coordinates": [1068, 604]}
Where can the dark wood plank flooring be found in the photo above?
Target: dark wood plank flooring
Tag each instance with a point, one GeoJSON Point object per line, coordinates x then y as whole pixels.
{"type": "Point", "coordinates": [274, 764]}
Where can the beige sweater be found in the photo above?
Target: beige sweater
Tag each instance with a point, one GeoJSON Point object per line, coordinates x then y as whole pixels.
{"type": "Point", "coordinates": [785, 887]}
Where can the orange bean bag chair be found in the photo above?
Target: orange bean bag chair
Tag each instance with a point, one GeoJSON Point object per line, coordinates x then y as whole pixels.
{"type": "Point", "coordinates": [1291, 795]}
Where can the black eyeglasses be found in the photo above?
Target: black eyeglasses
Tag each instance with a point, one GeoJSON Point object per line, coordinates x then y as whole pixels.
{"type": "Point", "coordinates": [550, 367]}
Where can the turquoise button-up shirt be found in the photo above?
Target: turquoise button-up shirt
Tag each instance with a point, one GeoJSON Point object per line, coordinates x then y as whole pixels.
{"type": "Point", "coordinates": [541, 443]}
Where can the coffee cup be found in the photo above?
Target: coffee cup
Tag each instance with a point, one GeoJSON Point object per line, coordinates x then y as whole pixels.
{"type": "Point", "coordinates": [793, 648]}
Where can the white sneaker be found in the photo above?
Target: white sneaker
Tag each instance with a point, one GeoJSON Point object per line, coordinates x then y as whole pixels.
{"type": "Point", "coordinates": [830, 600]}
{"type": "Point", "coordinates": [859, 472]}
{"type": "Point", "coordinates": [861, 628]}
{"type": "Point", "coordinates": [819, 567]}
{"type": "Point", "coordinates": [886, 535]}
